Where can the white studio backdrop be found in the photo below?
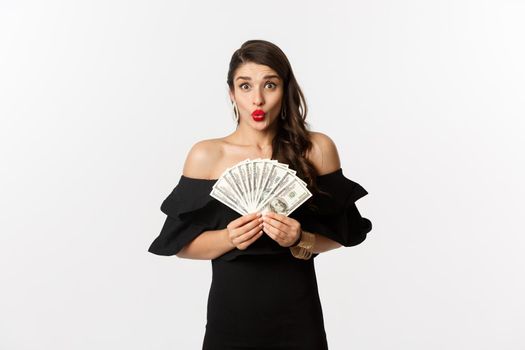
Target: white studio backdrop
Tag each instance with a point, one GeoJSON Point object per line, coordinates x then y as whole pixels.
{"type": "Point", "coordinates": [100, 102]}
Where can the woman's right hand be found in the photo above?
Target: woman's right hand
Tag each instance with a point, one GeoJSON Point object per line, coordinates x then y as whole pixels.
{"type": "Point", "coordinates": [244, 230]}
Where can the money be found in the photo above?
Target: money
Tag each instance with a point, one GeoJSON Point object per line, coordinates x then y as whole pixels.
{"type": "Point", "coordinates": [260, 185]}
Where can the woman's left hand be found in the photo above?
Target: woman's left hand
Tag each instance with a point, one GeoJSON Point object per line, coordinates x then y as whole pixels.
{"type": "Point", "coordinates": [282, 229]}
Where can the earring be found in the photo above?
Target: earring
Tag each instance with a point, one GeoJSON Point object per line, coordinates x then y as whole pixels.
{"type": "Point", "coordinates": [235, 112]}
{"type": "Point", "coordinates": [283, 113]}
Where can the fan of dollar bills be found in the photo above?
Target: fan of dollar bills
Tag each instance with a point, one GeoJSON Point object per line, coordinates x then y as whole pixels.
{"type": "Point", "coordinates": [260, 185]}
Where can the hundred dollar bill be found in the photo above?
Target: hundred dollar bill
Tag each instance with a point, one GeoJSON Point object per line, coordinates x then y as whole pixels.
{"type": "Point", "coordinates": [262, 172]}
{"type": "Point", "coordinates": [228, 185]}
{"type": "Point", "coordinates": [255, 175]}
{"type": "Point", "coordinates": [289, 198]}
{"type": "Point", "coordinates": [277, 179]}
{"type": "Point", "coordinates": [244, 183]}
{"type": "Point", "coordinates": [267, 183]}
{"type": "Point", "coordinates": [249, 181]}
{"type": "Point", "coordinates": [260, 184]}
{"type": "Point", "coordinates": [235, 187]}
{"type": "Point", "coordinates": [291, 171]}
{"type": "Point", "coordinates": [286, 167]}
{"type": "Point", "coordinates": [240, 184]}
{"type": "Point", "coordinates": [227, 199]}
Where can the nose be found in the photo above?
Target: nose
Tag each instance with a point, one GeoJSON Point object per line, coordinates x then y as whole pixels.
{"type": "Point", "coordinates": [258, 98]}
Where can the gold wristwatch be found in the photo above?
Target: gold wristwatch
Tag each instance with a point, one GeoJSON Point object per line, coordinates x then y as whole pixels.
{"type": "Point", "coordinates": [303, 250]}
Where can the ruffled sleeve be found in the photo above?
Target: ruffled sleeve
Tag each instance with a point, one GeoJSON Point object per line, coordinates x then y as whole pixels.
{"type": "Point", "coordinates": [190, 211]}
{"type": "Point", "coordinates": [336, 216]}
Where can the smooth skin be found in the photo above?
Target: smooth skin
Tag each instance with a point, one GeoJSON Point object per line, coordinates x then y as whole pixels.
{"type": "Point", "coordinates": [245, 230]}
{"type": "Point", "coordinates": [255, 88]}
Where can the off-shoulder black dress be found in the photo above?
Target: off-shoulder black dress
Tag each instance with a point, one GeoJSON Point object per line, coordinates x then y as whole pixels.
{"type": "Point", "coordinates": [263, 297]}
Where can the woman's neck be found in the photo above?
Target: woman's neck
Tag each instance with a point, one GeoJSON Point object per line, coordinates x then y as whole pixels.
{"type": "Point", "coordinates": [247, 136]}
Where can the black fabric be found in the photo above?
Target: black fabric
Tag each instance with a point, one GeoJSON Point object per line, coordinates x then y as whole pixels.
{"type": "Point", "coordinates": [191, 210]}
{"type": "Point", "coordinates": [337, 216]}
{"type": "Point", "coordinates": [264, 302]}
{"type": "Point", "coordinates": [263, 297]}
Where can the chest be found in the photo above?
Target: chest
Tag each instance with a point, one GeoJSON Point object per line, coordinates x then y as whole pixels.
{"type": "Point", "coordinates": [232, 155]}
{"type": "Point", "coordinates": [228, 162]}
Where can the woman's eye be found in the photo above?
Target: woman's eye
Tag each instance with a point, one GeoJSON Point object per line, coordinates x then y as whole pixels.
{"type": "Point", "coordinates": [246, 84]}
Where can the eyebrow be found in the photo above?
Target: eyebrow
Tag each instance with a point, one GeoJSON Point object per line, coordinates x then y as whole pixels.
{"type": "Point", "coordinates": [265, 77]}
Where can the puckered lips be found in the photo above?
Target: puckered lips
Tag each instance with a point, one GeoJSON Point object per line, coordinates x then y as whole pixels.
{"type": "Point", "coordinates": [258, 115]}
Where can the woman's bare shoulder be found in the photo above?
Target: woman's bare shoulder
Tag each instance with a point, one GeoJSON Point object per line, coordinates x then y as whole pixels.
{"type": "Point", "coordinates": [323, 154]}
{"type": "Point", "coordinates": [202, 159]}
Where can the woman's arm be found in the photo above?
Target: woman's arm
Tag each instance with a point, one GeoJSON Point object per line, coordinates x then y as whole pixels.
{"type": "Point", "coordinates": [325, 158]}
{"type": "Point", "coordinates": [207, 246]}
{"type": "Point", "coordinates": [199, 164]}
{"type": "Point", "coordinates": [214, 243]}
{"type": "Point", "coordinates": [323, 244]}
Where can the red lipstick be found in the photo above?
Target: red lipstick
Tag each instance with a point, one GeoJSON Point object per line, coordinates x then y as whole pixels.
{"type": "Point", "coordinates": [258, 115]}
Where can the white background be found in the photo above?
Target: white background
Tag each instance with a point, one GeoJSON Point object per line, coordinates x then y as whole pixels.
{"type": "Point", "coordinates": [100, 102]}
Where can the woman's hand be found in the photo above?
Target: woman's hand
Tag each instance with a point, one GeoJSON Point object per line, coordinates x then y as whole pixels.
{"type": "Point", "coordinates": [282, 229]}
{"type": "Point", "coordinates": [244, 230]}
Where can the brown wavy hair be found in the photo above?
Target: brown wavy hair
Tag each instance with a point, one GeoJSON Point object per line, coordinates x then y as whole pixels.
{"type": "Point", "coordinates": [292, 140]}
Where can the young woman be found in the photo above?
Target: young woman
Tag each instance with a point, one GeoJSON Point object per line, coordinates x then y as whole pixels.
{"type": "Point", "coordinates": [264, 292]}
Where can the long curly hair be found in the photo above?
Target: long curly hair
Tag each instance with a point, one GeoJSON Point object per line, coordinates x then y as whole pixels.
{"type": "Point", "coordinates": [292, 140]}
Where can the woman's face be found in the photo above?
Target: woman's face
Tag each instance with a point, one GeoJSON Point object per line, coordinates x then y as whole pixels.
{"type": "Point", "coordinates": [257, 87]}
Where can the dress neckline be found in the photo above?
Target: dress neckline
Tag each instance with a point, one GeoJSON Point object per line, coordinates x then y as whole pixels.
{"type": "Point", "coordinates": [214, 180]}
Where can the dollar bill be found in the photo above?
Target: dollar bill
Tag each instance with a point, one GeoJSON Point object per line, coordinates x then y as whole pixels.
{"type": "Point", "coordinates": [261, 185]}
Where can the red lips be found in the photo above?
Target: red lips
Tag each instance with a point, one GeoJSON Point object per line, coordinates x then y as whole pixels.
{"type": "Point", "coordinates": [258, 115]}
{"type": "Point", "coordinates": [257, 112]}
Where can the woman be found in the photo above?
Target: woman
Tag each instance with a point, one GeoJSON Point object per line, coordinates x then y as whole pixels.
{"type": "Point", "coordinates": [264, 291]}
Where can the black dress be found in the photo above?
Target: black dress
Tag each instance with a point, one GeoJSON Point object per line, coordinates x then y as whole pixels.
{"type": "Point", "coordinates": [263, 297]}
